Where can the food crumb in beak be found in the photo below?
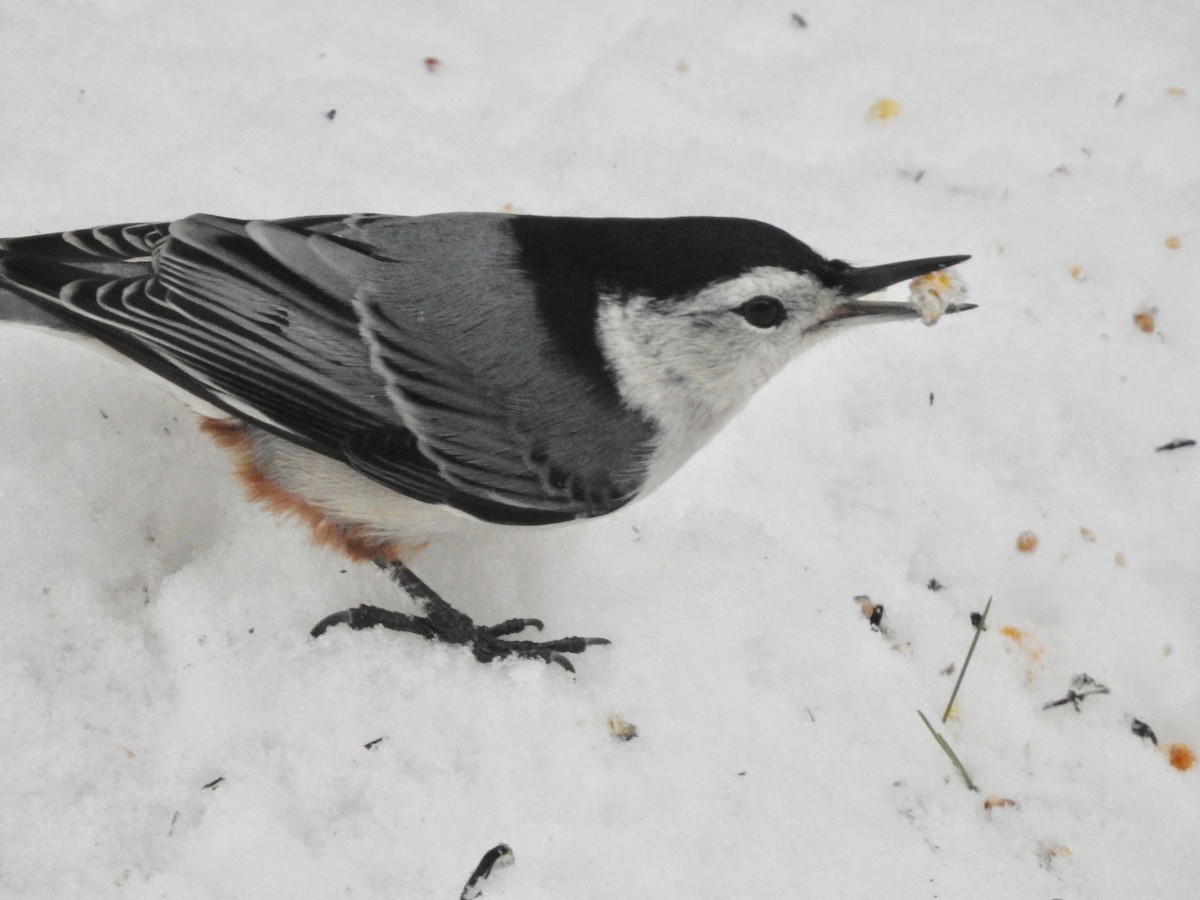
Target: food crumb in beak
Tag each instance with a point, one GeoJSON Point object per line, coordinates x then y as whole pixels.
{"type": "Point", "coordinates": [931, 295]}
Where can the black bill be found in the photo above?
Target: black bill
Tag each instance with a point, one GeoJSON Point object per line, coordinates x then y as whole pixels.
{"type": "Point", "coordinates": [858, 282]}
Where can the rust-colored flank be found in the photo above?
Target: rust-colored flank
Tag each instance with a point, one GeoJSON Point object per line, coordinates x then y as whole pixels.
{"type": "Point", "coordinates": [354, 539]}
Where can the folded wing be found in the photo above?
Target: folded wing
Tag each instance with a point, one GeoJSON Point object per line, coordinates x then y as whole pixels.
{"type": "Point", "coordinates": [350, 336]}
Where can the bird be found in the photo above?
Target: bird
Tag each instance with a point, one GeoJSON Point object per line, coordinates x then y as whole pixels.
{"type": "Point", "coordinates": [388, 379]}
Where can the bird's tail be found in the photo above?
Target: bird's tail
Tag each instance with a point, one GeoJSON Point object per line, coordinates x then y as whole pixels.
{"type": "Point", "coordinates": [34, 270]}
{"type": "Point", "coordinates": [18, 310]}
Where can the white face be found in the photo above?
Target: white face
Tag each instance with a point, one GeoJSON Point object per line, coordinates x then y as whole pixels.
{"type": "Point", "coordinates": [691, 364]}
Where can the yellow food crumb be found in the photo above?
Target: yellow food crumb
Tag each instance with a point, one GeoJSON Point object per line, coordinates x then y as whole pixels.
{"type": "Point", "coordinates": [1144, 320]}
{"type": "Point", "coordinates": [883, 109]}
{"type": "Point", "coordinates": [934, 293]}
{"type": "Point", "coordinates": [1027, 542]}
{"type": "Point", "coordinates": [620, 729]}
{"type": "Point", "coordinates": [994, 801]}
{"type": "Point", "coordinates": [1173, 242]}
{"type": "Point", "coordinates": [1175, 91]}
{"type": "Point", "coordinates": [1087, 534]}
{"type": "Point", "coordinates": [1076, 272]}
{"type": "Point", "coordinates": [935, 281]}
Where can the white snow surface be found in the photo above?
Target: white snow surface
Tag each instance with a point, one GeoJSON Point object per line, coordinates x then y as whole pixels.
{"type": "Point", "coordinates": [156, 624]}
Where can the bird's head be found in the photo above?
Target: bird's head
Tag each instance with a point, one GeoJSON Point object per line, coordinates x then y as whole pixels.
{"type": "Point", "coordinates": [691, 316]}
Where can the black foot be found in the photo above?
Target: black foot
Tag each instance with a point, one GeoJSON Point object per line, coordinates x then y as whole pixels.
{"type": "Point", "coordinates": [444, 623]}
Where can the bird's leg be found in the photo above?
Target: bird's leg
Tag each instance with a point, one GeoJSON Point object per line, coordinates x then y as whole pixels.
{"type": "Point", "coordinates": [442, 622]}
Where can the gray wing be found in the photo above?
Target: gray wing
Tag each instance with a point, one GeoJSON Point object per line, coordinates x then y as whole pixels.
{"type": "Point", "coordinates": [369, 339]}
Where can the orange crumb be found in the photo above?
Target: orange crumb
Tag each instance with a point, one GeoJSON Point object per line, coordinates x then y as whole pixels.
{"type": "Point", "coordinates": [1173, 242]}
{"type": "Point", "coordinates": [1175, 91]}
{"type": "Point", "coordinates": [1144, 320]}
{"type": "Point", "coordinates": [1180, 756]}
{"type": "Point", "coordinates": [1050, 853]}
{"type": "Point", "coordinates": [1028, 646]}
{"type": "Point", "coordinates": [1076, 272]}
{"type": "Point", "coordinates": [883, 109]}
{"type": "Point", "coordinates": [995, 801]}
{"type": "Point", "coordinates": [1027, 541]}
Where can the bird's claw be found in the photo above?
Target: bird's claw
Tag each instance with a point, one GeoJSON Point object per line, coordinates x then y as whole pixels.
{"type": "Point", "coordinates": [360, 617]}
{"type": "Point", "coordinates": [444, 623]}
{"type": "Point", "coordinates": [488, 643]}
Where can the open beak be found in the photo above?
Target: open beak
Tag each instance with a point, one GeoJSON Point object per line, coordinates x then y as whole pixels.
{"type": "Point", "coordinates": [854, 283]}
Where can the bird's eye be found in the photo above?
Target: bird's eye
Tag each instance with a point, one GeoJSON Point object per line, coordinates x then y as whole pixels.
{"type": "Point", "coordinates": [762, 312]}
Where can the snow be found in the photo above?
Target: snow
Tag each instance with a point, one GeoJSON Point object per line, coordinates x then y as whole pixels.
{"type": "Point", "coordinates": [156, 624]}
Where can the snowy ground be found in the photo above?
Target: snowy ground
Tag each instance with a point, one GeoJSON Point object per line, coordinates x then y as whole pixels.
{"type": "Point", "coordinates": [156, 625]}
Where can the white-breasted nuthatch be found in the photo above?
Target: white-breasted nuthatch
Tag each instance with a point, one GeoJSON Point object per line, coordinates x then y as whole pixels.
{"type": "Point", "coordinates": [390, 378]}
